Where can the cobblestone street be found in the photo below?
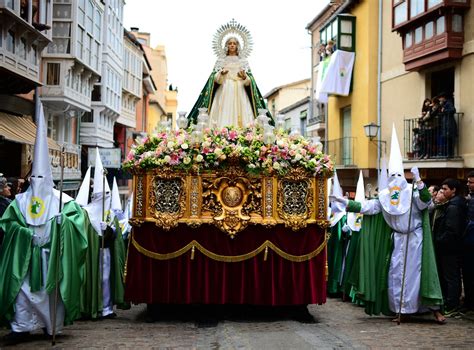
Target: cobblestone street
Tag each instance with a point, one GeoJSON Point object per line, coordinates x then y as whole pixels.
{"type": "Point", "coordinates": [338, 325]}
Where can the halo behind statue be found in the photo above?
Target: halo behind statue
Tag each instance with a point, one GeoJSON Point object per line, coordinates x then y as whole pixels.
{"type": "Point", "coordinates": [232, 29]}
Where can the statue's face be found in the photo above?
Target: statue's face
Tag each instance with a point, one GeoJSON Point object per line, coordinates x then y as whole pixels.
{"type": "Point", "coordinates": [232, 47]}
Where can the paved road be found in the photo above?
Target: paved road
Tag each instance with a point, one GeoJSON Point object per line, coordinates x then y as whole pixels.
{"type": "Point", "coordinates": [338, 325]}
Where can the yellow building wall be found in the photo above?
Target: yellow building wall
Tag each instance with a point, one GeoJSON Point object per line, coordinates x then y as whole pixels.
{"type": "Point", "coordinates": [363, 99]}
{"type": "Point", "coordinates": [155, 113]}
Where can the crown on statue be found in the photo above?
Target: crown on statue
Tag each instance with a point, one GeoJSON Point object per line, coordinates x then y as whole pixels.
{"type": "Point", "coordinates": [232, 29]}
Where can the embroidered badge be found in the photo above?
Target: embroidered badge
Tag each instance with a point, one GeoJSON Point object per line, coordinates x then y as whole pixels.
{"type": "Point", "coordinates": [36, 207]}
{"type": "Point", "coordinates": [394, 195]}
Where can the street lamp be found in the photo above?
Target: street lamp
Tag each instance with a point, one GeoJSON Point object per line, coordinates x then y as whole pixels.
{"type": "Point", "coordinates": [371, 130]}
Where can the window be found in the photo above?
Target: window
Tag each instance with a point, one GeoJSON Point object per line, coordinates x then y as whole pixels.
{"type": "Point", "coordinates": [457, 23]}
{"type": "Point", "coordinates": [52, 127]}
{"type": "Point", "coordinates": [401, 13]}
{"type": "Point", "coordinates": [62, 37]}
{"type": "Point", "coordinates": [416, 7]}
{"type": "Point", "coordinates": [22, 48]}
{"type": "Point", "coordinates": [429, 30]}
{"type": "Point", "coordinates": [34, 54]}
{"type": "Point", "coordinates": [408, 40]}
{"type": "Point", "coordinates": [87, 117]}
{"type": "Point", "coordinates": [62, 11]}
{"type": "Point", "coordinates": [342, 31]}
{"type": "Point", "coordinates": [440, 25]}
{"type": "Point", "coordinates": [10, 41]}
{"type": "Point", "coordinates": [53, 73]}
{"type": "Point", "coordinates": [303, 120]}
{"type": "Point", "coordinates": [418, 35]}
{"type": "Point", "coordinates": [433, 3]}
{"type": "Point", "coordinates": [346, 154]}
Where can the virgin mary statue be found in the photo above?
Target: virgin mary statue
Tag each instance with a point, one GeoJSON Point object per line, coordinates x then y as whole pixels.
{"type": "Point", "coordinates": [230, 95]}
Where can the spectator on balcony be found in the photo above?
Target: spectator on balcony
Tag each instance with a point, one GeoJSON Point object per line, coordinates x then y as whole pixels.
{"type": "Point", "coordinates": [420, 145]}
{"type": "Point", "coordinates": [448, 230]}
{"type": "Point", "coordinates": [448, 130]}
{"type": "Point", "coordinates": [468, 248]}
{"type": "Point", "coordinates": [429, 121]}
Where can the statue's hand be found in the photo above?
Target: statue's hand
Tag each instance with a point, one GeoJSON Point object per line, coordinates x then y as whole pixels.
{"type": "Point", "coordinates": [242, 75]}
{"type": "Point", "coordinates": [224, 71]}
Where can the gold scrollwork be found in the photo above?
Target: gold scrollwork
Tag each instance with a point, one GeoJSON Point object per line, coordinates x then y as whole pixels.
{"type": "Point", "coordinates": [295, 198]}
{"type": "Point", "coordinates": [167, 199]}
{"type": "Point", "coordinates": [136, 222]}
{"type": "Point", "coordinates": [232, 195]}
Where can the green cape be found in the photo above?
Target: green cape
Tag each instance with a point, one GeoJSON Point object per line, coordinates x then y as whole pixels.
{"type": "Point", "coordinates": [207, 94]}
{"type": "Point", "coordinates": [91, 293]}
{"type": "Point", "coordinates": [335, 251]}
{"type": "Point", "coordinates": [18, 255]}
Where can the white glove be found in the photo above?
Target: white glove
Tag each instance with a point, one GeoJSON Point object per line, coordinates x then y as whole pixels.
{"type": "Point", "coordinates": [416, 174]}
{"type": "Point", "coordinates": [59, 219]}
{"type": "Point", "coordinates": [103, 226]}
{"type": "Point", "coordinates": [338, 199]}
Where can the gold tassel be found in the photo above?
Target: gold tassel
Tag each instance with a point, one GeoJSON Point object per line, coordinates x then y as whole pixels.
{"type": "Point", "coordinates": [192, 253]}
{"type": "Point", "coordinates": [265, 254]}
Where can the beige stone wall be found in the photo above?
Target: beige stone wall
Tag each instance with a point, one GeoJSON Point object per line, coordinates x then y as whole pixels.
{"type": "Point", "coordinates": [403, 92]}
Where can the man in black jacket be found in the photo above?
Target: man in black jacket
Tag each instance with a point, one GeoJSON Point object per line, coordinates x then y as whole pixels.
{"type": "Point", "coordinates": [468, 248]}
{"type": "Point", "coordinates": [448, 232]}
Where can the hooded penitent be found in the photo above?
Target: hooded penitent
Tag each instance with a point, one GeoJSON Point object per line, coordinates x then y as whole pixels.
{"type": "Point", "coordinates": [38, 204]}
{"type": "Point", "coordinates": [338, 210]}
{"type": "Point", "coordinates": [354, 220]}
{"type": "Point", "coordinates": [395, 199]}
{"type": "Point", "coordinates": [383, 176]}
{"type": "Point", "coordinates": [83, 196]}
{"type": "Point", "coordinates": [116, 205]}
{"type": "Point", "coordinates": [98, 209]}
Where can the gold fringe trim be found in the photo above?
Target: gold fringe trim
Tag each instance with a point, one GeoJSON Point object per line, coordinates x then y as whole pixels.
{"type": "Point", "coordinates": [224, 258]}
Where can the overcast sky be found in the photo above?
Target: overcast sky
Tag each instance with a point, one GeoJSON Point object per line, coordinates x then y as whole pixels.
{"type": "Point", "coordinates": [281, 52]}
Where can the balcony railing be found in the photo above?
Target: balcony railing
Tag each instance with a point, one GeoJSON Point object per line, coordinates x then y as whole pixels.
{"type": "Point", "coordinates": [341, 150]}
{"type": "Point", "coordinates": [437, 138]}
{"type": "Point", "coordinates": [316, 119]}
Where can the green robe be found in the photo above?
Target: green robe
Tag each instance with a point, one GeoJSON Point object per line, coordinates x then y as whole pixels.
{"type": "Point", "coordinates": [18, 255]}
{"type": "Point", "coordinates": [91, 293]}
{"type": "Point", "coordinates": [335, 257]}
{"type": "Point", "coordinates": [207, 94]}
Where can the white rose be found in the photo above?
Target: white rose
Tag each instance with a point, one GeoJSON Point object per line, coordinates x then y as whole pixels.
{"type": "Point", "coordinates": [186, 160]}
{"type": "Point", "coordinates": [199, 158]}
{"type": "Point", "coordinates": [281, 143]}
{"type": "Point", "coordinates": [184, 146]}
{"type": "Point", "coordinates": [167, 159]}
{"type": "Point", "coordinates": [170, 144]}
{"type": "Point", "coordinates": [218, 152]}
{"type": "Point", "coordinates": [294, 146]}
{"type": "Point", "coordinates": [298, 156]}
{"type": "Point", "coordinates": [276, 166]}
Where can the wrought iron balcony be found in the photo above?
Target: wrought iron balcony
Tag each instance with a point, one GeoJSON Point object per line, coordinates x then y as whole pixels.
{"type": "Point", "coordinates": [435, 138]}
{"type": "Point", "coordinates": [341, 151]}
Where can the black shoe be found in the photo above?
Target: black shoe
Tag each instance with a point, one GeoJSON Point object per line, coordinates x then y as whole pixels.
{"type": "Point", "coordinates": [13, 338]}
{"type": "Point", "coordinates": [110, 316]}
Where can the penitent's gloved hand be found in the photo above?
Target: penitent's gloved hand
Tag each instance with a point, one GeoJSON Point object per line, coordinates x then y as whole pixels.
{"type": "Point", "coordinates": [338, 199]}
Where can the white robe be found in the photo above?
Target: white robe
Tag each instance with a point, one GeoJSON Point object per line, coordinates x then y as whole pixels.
{"type": "Point", "coordinates": [231, 105]}
{"type": "Point", "coordinates": [399, 225]}
{"type": "Point", "coordinates": [35, 310]}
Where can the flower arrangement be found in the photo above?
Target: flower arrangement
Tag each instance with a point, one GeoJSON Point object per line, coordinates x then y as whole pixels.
{"type": "Point", "coordinates": [216, 148]}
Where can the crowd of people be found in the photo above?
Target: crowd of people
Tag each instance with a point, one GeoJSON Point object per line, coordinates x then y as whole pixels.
{"type": "Point", "coordinates": [436, 133]}
{"type": "Point", "coordinates": [61, 259]}
{"type": "Point", "coordinates": [414, 249]}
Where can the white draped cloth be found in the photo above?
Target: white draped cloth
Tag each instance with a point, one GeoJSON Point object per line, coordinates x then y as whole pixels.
{"type": "Point", "coordinates": [399, 225]}
{"type": "Point", "coordinates": [34, 310]}
{"type": "Point", "coordinates": [231, 105]}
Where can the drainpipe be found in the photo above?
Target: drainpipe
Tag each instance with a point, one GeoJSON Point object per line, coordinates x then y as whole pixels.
{"type": "Point", "coordinates": [379, 87]}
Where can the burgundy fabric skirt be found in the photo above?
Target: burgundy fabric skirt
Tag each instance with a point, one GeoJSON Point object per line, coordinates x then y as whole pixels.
{"type": "Point", "coordinates": [202, 280]}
